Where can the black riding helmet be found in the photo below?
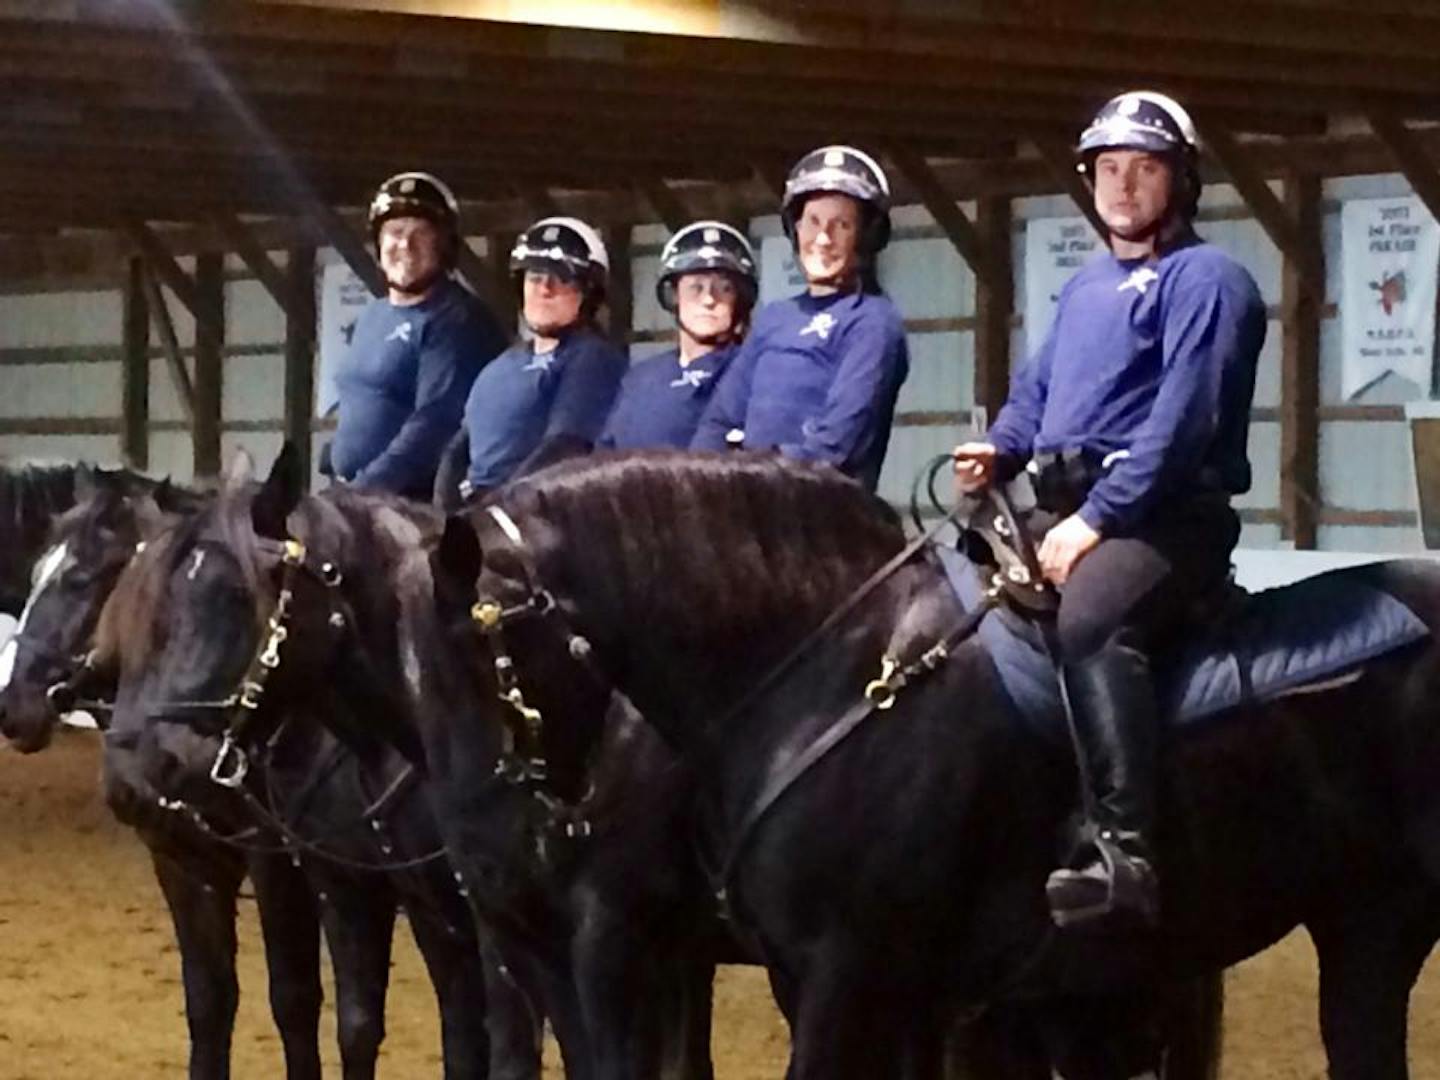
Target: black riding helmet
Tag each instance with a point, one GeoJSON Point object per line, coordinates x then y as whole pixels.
{"type": "Point", "coordinates": [704, 246]}
{"type": "Point", "coordinates": [568, 248]}
{"type": "Point", "coordinates": [417, 194]}
{"type": "Point", "coordinates": [1153, 122]}
{"type": "Point", "coordinates": [842, 170]}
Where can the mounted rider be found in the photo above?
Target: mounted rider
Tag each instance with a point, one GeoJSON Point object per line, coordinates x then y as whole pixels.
{"type": "Point", "coordinates": [1133, 415]}
{"type": "Point", "coordinates": [708, 282]}
{"type": "Point", "coordinates": [818, 377]}
{"type": "Point", "coordinates": [547, 396]}
{"type": "Point", "coordinates": [416, 350]}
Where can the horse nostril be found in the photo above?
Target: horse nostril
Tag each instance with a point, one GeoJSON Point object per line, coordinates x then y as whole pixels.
{"type": "Point", "coordinates": [62, 698]}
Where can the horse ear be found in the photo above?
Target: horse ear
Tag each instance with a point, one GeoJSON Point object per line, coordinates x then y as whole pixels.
{"type": "Point", "coordinates": [85, 486]}
{"type": "Point", "coordinates": [239, 472]}
{"type": "Point", "coordinates": [279, 495]}
{"type": "Point", "coordinates": [459, 553]}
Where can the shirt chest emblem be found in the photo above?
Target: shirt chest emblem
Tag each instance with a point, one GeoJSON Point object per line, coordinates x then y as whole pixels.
{"type": "Point", "coordinates": [692, 377]}
{"type": "Point", "coordinates": [1140, 279]}
{"type": "Point", "coordinates": [400, 333]}
{"type": "Point", "coordinates": [820, 325]}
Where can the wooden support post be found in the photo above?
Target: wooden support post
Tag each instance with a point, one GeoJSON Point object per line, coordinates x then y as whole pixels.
{"type": "Point", "coordinates": [135, 370]}
{"type": "Point", "coordinates": [994, 306]}
{"type": "Point", "coordinates": [300, 332]}
{"type": "Point", "coordinates": [1060, 160]}
{"type": "Point", "coordinates": [1274, 216]}
{"type": "Point", "coordinates": [1300, 367]}
{"type": "Point", "coordinates": [621, 300]}
{"type": "Point", "coordinates": [669, 207]}
{"type": "Point", "coordinates": [1412, 157]}
{"type": "Point", "coordinates": [170, 343]}
{"type": "Point", "coordinates": [209, 365]}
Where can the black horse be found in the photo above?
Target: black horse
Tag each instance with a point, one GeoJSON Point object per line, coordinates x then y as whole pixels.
{"type": "Point", "coordinates": [346, 661]}
{"type": "Point", "coordinates": [200, 880]}
{"type": "Point", "coordinates": [352, 812]}
{"type": "Point", "coordinates": [901, 877]}
{"type": "Point", "coordinates": [31, 498]}
{"type": "Point", "coordinates": [584, 873]}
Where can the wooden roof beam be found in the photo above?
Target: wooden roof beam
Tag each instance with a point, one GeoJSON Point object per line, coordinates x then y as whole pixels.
{"type": "Point", "coordinates": [668, 206]}
{"type": "Point", "coordinates": [169, 342]}
{"type": "Point", "coordinates": [944, 209]}
{"type": "Point", "coordinates": [348, 245]}
{"type": "Point", "coordinates": [1412, 157]}
{"type": "Point", "coordinates": [1060, 160]}
{"type": "Point", "coordinates": [257, 261]}
{"type": "Point", "coordinates": [163, 263]}
{"type": "Point", "coordinates": [1274, 217]}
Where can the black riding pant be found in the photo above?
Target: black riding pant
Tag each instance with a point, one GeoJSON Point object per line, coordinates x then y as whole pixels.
{"type": "Point", "coordinates": [1145, 587]}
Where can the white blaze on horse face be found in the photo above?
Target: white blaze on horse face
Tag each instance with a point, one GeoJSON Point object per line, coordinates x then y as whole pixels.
{"type": "Point", "coordinates": [46, 571]}
{"type": "Point", "coordinates": [196, 563]}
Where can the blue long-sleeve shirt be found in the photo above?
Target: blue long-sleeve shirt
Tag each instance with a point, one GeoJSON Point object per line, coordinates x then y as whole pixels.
{"type": "Point", "coordinates": [523, 399]}
{"type": "Point", "coordinates": [403, 383]}
{"type": "Point", "coordinates": [817, 378]}
{"type": "Point", "coordinates": [1155, 358]}
{"type": "Point", "coordinates": [660, 400]}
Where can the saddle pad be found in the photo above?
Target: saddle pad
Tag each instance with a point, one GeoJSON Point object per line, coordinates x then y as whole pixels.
{"type": "Point", "coordinates": [1281, 640]}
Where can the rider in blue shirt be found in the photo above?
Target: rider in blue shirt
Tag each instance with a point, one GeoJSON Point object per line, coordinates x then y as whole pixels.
{"type": "Point", "coordinates": [547, 397]}
{"type": "Point", "coordinates": [415, 351]}
{"type": "Point", "coordinates": [1133, 416]}
{"type": "Point", "coordinates": [708, 282]}
{"type": "Point", "coordinates": [819, 374]}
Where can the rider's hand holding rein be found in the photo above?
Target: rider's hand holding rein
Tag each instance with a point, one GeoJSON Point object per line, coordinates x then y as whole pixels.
{"type": "Point", "coordinates": [974, 467]}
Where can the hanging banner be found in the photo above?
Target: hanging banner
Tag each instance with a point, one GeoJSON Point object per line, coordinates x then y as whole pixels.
{"type": "Point", "coordinates": [1054, 249]}
{"type": "Point", "coordinates": [1391, 248]}
{"type": "Point", "coordinates": [342, 297]}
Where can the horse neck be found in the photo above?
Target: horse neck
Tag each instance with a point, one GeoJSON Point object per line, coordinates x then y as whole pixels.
{"type": "Point", "coordinates": [685, 675]}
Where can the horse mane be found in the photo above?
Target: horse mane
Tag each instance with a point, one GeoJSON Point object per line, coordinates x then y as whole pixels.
{"type": "Point", "coordinates": [366, 534]}
{"type": "Point", "coordinates": [744, 540]}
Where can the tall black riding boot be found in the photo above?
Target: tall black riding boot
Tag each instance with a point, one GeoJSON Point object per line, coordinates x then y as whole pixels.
{"type": "Point", "coordinates": [1113, 700]}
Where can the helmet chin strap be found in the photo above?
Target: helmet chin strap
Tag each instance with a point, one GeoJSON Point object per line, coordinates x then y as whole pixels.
{"type": "Point", "coordinates": [712, 340]}
{"type": "Point", "coordinates": [417, 288]}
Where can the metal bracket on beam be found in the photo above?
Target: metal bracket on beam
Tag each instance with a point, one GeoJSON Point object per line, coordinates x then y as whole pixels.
{"type": "Point", "coordinates": [1414, 160]}
{"type": "Point", "coordinates": [947, 213]}
{"type": "Point", "coordinates": [1060, 160]}
{"type": "Point", "coordinates": [1277, 221]}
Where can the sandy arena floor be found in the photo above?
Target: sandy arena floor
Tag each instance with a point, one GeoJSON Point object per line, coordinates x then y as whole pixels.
{"type": "Point", "coordinates": [90, 985]}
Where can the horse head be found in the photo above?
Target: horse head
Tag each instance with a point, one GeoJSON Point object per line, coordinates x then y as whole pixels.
{"type": "Point", "coordinates": [45, 664]}
{"type": "Point", "coordinates": [246, 623]}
